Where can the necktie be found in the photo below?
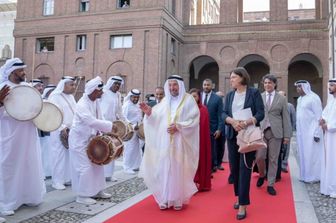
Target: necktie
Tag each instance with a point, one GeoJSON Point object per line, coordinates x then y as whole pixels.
{"type": "Point", "coordinates": [206, 99]}
{"type": "Point", "coordinates": [269, 101]}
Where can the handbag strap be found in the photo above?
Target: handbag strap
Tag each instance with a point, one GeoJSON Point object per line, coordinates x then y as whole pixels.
{"type": "Point", "coordinates": [253, 163]}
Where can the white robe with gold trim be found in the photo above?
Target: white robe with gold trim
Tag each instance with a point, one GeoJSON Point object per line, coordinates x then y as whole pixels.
{"type": "Point", "coordinates": [170, 161]}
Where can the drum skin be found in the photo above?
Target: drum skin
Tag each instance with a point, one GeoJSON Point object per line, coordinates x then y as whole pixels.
{"type": "Point", "coordinates": [129, 133]}
{"type": "Point", "coordinates": [103, 149]}
{"type": "Point", "coordinates": [50, 118]}
{"type": "Point", "coordinates": [141, 132]}
{"type": "Point", "coordinates": [120, 129]}
{"type": "Point", "coordinates": [23, 103]}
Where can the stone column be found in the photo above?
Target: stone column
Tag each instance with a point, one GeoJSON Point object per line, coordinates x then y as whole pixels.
{"type": "Point", "coordinates": [279, 10]}
{"type": "Point", "coordinates": [317, 9]}
{"type": "Point", "coordinates": [186, 12]}
{"type": "Point", "coordinates": [228, 11]}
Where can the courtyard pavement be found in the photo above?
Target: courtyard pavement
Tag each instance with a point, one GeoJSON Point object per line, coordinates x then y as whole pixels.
{"type": "Point", "coordinates": [59, 206]}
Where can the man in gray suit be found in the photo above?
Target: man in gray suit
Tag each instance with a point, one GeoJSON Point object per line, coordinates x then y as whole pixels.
{"type": "Point", "coordinates": [276, 130]}
{"type": "Point", "coordinates": [286, 147]}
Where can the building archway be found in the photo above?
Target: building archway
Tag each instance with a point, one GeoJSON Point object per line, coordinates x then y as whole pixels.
{"type": "Point", "coordinates": [257, 66]}
{"type": "Point", "coordinates": [201, 68]}
{"type": "Point", "coordinates": [46, 73]}
{"type": "Point", "coordinates": [123, 69]}
{"type": "Point", "coordinates": [308, 67]}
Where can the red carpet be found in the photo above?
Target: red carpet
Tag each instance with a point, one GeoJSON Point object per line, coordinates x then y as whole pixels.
{"type": "Point", "coordinates": [216, 206]}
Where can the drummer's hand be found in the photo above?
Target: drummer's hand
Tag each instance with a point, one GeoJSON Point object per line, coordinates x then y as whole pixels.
{"type": "Point", "coordinates": [3, 93]}
{"type": "Point", "coordinates": [316, 139]}
{"type": "Point", "coordinates": [64, 132]}
{"type": "Point", "coordinates": [172, 129]}
{"type": "Point", "coordinates": [145, 108]}
{"type": "Point", "coordinates": [114, 129]}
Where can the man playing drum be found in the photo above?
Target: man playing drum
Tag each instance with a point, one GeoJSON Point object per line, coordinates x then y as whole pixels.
{"type": "Point", "coordinates": [63, 97]}
{"type": "Point", "coordinates": [87, 178]}
{"type": "Point", "coordinates": [132, 154]}
{"type": "Point", "coordinates": [21, 166]}
{"type": "Point", "coordinates": [112, 110]}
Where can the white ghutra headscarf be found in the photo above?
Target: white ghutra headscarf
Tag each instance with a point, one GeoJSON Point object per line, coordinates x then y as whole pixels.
{"type": "Point", "coordinates": [133, 92]}
{"type": "Point", "coordinates": [93, 84]}
{"type": "Point", "coordinates": [60, 86]}
{"type": "Point", "coordinates": [111, 81]}
{"type": "Point", "coordinates": [9, 67]}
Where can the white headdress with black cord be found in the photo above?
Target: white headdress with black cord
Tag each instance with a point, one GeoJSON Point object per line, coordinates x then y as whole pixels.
{"type": "Point", "coordinates": [133, 92]}
{"type": "Point", "coordinates": [60, 86]}
{"type": "Point", "coordinates": [9, 67]}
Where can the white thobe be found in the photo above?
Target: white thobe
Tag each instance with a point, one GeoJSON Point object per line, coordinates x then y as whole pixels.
{"type": "Point", "coordinates": [309, 111]}
{"type": "Point", "coordinates": [21, 172]}
{"type": "Point", "coordinates": [46, 154]}
{"type": "Point", "coordinates": [87, 177]}
{"type": "Point", "coordinates": [61, 172]}
{"type": "Point", "coordinates": [328, 177]}
{"type": "Point", "coordinates": [112, 110]}
{"type": "Point", "coordinates": [133, 148]}
{"type": "Point", "coordinates": [170, 161]}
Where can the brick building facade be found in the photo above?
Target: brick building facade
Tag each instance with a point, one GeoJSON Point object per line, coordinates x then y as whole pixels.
{"type": "Point", "coordinates": [150, 39]}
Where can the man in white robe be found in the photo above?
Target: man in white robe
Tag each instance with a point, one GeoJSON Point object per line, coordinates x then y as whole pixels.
{"type": "Point", "coordinates": [132, 154]}
{"type": "Point", "coordinates": [38, 85]}
{"type": "Point", "coordinates": [172, 146]}
{"type": "Point", "coordinates": [45, 138]}
{"type": "Point", "coordinates": [308, 132]}
{"type": "Point", "coordinates": [112, 110]}
{"type": "Point", "coordinates": [63, 98]}
{"type": "Point", "coordinates": [328, 123]}
{"type": "Point", "coordinates": [87, 178]}
{"type": "Point", "coordinates": [21, 173]}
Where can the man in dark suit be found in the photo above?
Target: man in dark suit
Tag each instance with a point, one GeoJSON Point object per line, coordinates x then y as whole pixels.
{"type": "Point", "coordinates": [276, 129]}
{"type": "Point", "coordinates": [214, 103]}
{"type": "Point", "coordinates": [159, 95]}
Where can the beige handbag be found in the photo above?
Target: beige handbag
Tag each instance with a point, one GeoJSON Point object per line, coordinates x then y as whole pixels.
{"type": "Point", "coordinates": [250, 139]}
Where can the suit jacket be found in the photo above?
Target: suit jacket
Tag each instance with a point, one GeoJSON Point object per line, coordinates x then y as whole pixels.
{"type": "Point", "coordinates": [253, 100]}
{"type": "Point", "coordinates": [152, 103]}
{"type": "Point", "coordinates": [278, 116]}
{"type": "Point", "coordinates": [215, 109]}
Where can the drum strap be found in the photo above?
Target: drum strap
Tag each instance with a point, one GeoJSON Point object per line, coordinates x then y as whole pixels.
{"type": "Point", "coordinates": [73, 112]}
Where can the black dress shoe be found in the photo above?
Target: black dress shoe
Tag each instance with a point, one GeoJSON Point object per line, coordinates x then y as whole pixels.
{"type": "Point", "coordinates": [236, 206]}
{"type": "Point", "coordinates": [230, 179]}
{"type": "Point", "coordinates": [241, 216]}
{"type": "Point", "coordinates": [284, 170]}
{"type": "Point", "coordinates": [260, 181]}
{"type": "Point", "coordinates": [214, 169]}
{"type": "Point", "coordinates": [271, 190]}
{"type": "Point", "coordinates": [220, 168]}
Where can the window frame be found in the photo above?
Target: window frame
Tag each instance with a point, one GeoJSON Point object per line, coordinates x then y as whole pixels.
{"type": "Point", "coordinates": [79, 42]}
{"type": "Point", "coordinates": [43, 42]}
{"type": "Point", "coordinates": [123, 46]}
{"type": "Point", "coordinates": [86, 8]}
{"type": "Point", "coordinates": [48, 10]}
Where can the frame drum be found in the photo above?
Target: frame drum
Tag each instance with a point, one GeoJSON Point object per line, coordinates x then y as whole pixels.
{"type": "Point", "coordinates": [50, 118]}
{"type": "Point", "coordinates": [120, 129]}
{"type": "Point", "coordinates": [129, 133]}
{"type": "Point", "coordinates": [103, 149]}
{"type": "Point", "coordinates": [23, 103]}
{"type": "Point", "coordinates": [141, 132]}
